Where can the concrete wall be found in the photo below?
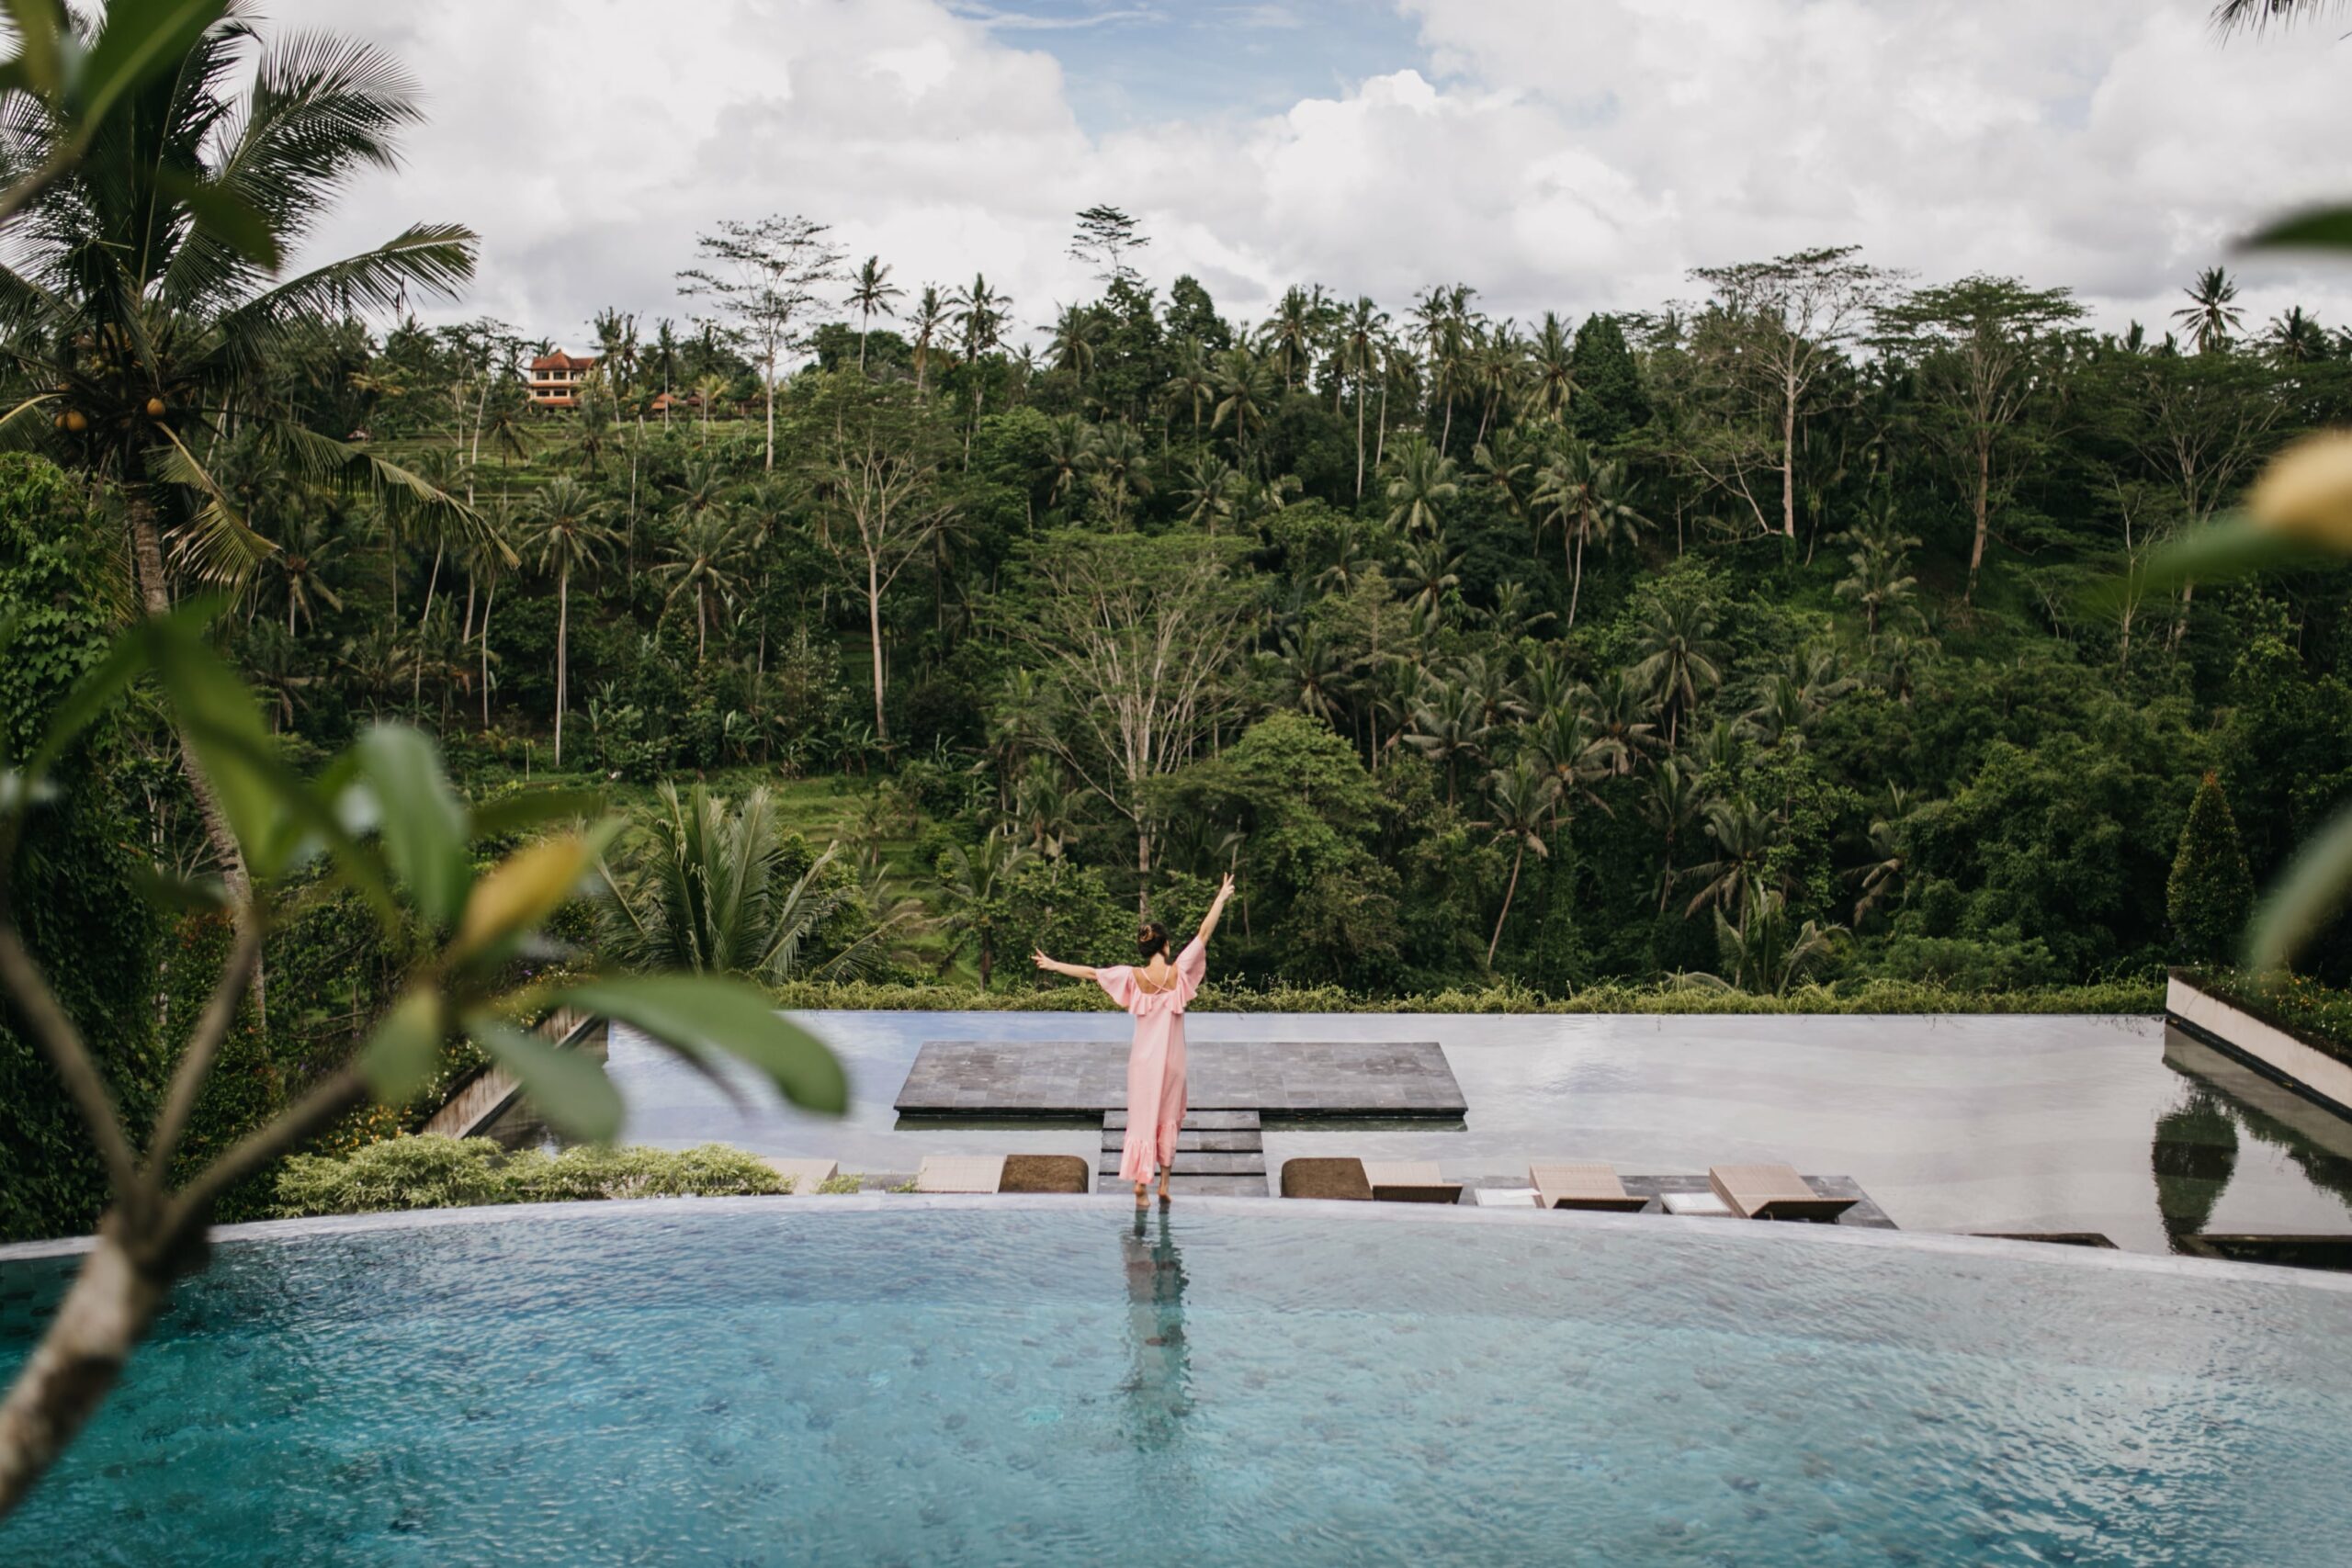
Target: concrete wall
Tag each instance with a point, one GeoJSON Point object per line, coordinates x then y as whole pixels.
{"type": "Point", "coordinates": [2314, 1073]}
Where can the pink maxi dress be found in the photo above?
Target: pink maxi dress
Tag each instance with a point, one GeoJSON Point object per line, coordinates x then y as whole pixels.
{"type": "Point", "coordinates": [1156, 1061]}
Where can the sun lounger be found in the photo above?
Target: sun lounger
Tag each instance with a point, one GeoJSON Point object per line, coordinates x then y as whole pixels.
{"type": "Point", "coordinates": [1576, 1185]}
{"type": "Point", "coordinates": [960, 1173]}
{"type": "Point", "coordinates": [1043, 1173]}
{"type": "Point", "coordinates": [1409, 1181]}
{"type": "Point", "coordinates": [806, 1175]}
{"type": "Point", "coordinates": [1772, 1192]}
{"type": "Point", "coordinates": [1325, 1179]}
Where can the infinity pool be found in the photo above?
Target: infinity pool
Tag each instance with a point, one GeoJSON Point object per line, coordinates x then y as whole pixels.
{"type": "Point", "coordinates": [877, 1380]}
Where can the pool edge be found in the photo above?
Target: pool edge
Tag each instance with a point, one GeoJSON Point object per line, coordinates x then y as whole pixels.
{"type": "Point", "coordinates": [1747, 1232]}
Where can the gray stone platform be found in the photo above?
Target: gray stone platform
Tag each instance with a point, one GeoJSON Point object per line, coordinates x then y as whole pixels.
{"type": "Point", "coordinates": [1085, 1078]}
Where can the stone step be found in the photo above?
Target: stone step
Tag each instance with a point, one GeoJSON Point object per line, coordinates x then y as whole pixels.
{"type": "Point", "coordinates": [1217, 1186]}
{"type": "Point", "coordinates": [1198, 1122]}
{"type": "Point", "coordinates": [1187, 1141]}
{"type": "Point", "coordinates": [1252, 1164]}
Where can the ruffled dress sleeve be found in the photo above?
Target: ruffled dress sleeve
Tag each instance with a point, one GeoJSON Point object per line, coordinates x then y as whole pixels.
{"type": "Point", "coordinates": [1192, 968]}
{"type": "Point", "coordinates": [1119, 981]}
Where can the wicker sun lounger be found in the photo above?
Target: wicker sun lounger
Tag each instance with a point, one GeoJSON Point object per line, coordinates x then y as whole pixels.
{"type": "Point", "coordinates": [1577, 1185]}
{"type": "Point", "coordinates": [1043, 1173]}
{"type": "Point", "coordinates": [1325, 1179]}
{"type": "Point", "coordinates": [1001, 1173]}
{"type": "Point", "coordinates": [1409, 1181]}
{"type": "Point", "coordinates": [1772, 1192]}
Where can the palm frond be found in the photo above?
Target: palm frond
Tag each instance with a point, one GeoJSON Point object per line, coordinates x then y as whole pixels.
{"type": "Point", "coordinates": [216, 544]}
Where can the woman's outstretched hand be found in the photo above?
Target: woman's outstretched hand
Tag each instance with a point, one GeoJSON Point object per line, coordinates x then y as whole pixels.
{"type": "Point", "coordinates": [1042, 961]}
{"type": "Point", "coordinates": [1224, 889]}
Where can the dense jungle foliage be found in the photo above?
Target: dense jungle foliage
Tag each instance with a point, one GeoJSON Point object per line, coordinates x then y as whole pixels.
{"type": "Point", "coordinates": [1750, 642]}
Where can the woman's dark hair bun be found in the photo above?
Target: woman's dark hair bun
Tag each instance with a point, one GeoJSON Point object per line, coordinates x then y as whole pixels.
{"type": "Point", "coordinates": [1152, 937]}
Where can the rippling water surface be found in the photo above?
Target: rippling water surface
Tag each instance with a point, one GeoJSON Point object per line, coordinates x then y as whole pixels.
{"type": "Point", "coordinates": [784, 1384]}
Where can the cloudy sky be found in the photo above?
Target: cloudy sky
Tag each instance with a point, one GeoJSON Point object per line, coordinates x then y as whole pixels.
{"type": "Point", "coordinates": [1565, 155]}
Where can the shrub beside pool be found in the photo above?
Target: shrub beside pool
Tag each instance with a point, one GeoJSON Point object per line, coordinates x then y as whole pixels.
{"type": "Point", "coordinates": [435, 1172]}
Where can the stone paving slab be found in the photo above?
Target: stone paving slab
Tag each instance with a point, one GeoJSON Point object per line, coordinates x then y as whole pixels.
{"type": "Point", "coordinates": [1252, 1163]}
{"type": "Point", "coordinates": [1187, 1141]}
{"type": "Point", "coordinates": [1088, 1078]}
{"type": "Point", "coordinates": [1200, 1121]}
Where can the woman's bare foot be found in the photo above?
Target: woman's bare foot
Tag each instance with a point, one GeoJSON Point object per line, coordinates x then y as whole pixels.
{"type": "Point", "coordinates": [1163, 1189]}
{"type": "Point", "coordinates": [1143, 1195]}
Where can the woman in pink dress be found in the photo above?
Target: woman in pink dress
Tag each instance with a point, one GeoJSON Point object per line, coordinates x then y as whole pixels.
{"type": "Point", "coordinates": [1155, 991]}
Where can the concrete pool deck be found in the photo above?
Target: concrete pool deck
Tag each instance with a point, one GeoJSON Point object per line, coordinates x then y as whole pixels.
{"type": "Point", "coordinates": [1952, 1123]}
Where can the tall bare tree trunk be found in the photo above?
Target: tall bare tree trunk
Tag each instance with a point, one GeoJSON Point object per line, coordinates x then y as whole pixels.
{"type": "Point", "coordinates": [488, 600]}
{"type": "Point", "coordinates": [1497, 939]}
{"type": "Point", "coordinates": [147, 548]}
{"type": "Point", "coordinates": [416, 686]}
{"type": "Point", "coordinates": [874, 631]}
{"type": "Point", "coordinates": [1983, 515]}
{"type": "Point", "coordinates": [1789, 457]}
{"type": "Point", "coordinates": [562, 652]}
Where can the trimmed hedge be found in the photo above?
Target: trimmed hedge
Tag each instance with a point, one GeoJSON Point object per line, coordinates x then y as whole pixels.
{"type": "Point", "coordinates": [1850, 997]}
{"type": "Point", "coordinates": [435, 1172]}
{"type": "Point", "coordinates": [2320, 1016]}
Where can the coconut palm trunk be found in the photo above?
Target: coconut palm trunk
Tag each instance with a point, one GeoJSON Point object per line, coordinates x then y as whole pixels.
{"type": "Point", "coordinates": [1495, 942]}
{"type": "Point", "coordinates": [562, 651]}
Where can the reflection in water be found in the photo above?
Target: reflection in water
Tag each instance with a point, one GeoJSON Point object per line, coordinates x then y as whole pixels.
{"type": "Point", "coordinates": [2197, 1148]}
{"type": "Point", "coordinates": [1160, 1392]}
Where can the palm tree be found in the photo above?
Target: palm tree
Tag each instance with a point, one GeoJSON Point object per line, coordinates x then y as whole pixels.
{"type": "Point", "coordinates": [701, 888]}
{"type": "Point", "coordinates": [140, 299]}
{"type": "Point", "coordinates": [1766, 951]}
{"type": "Point", "coordinates": [931, 319]}
{"type": "Point", "coordinates": [1192, 384]}
{"type": "Point", "coordinates": [1244, 387]}
{"type": "Point", "coordinates": [1117, 471]}
{"type": "Point", "coordinates": [1881, 874]}
{"type": "Point", "coordinates": [1318, 675]}
{"type": "Point", "coordinates": [1674, 801]}
{"type": "Point", "coordinates": [973, 884]}
{"type": "Point", "coordinates": [1879, 583]}
{"type": "Point", "coordinates": [706, 558]}
{"type": "Point", "coordinates": [1290, 336]}
{"type": "Point", "coordinates": [2295, 338]}
{"type": "Point", "coordinates": [710, 386]}
{"type": "Point", "coordinates": [1621, 708]}
{"type": "Point", "coordinates": [1519, 799]}
{"type": "Point", "coordinates": [2211, 313]}
{"type": "Point", "coordinates": [1745, 836]}
{"type": "Point", "coordinates": [870, 293]}
{"type": "Point", "coordinates": [1448, 723]}
{"type": "Point", "coordinates": [1209, 491]}
{"type": "Point", "coordinates": [1421, 479]}
{"type": "Point", "coordinates": [309, 543]}
{"type": "Point", "coordinates": [1069, 443]}
{"type": "Point", "coordinates": [1564, 499]}
{"type": "Point", "coordinates": [979, 319]}
{"type": "Point", "coordinates": [486, 562]}
{"type": "Point", "coordinates": [566, 530]}
{"type": "Point", "coordinates": [1677, 659]}
{"type": "Point", "coordinates": [1071, 345]}
{"type": "Point", "coordinates": [1432, 571]}
{"type": "Point", "coordinates": [1362, 336]}
{"type": "Point", "coordinates": [1552, 380]}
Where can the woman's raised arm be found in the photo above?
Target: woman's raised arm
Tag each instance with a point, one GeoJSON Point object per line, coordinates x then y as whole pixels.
{"type": "Point", "coordinates": [1075, 971]}
{"type": "Point", "coordinates": [1216, 908]}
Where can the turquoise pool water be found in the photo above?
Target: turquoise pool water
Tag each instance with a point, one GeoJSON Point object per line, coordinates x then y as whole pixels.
{"type": "Point", "coordinates": [746, 1383]}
